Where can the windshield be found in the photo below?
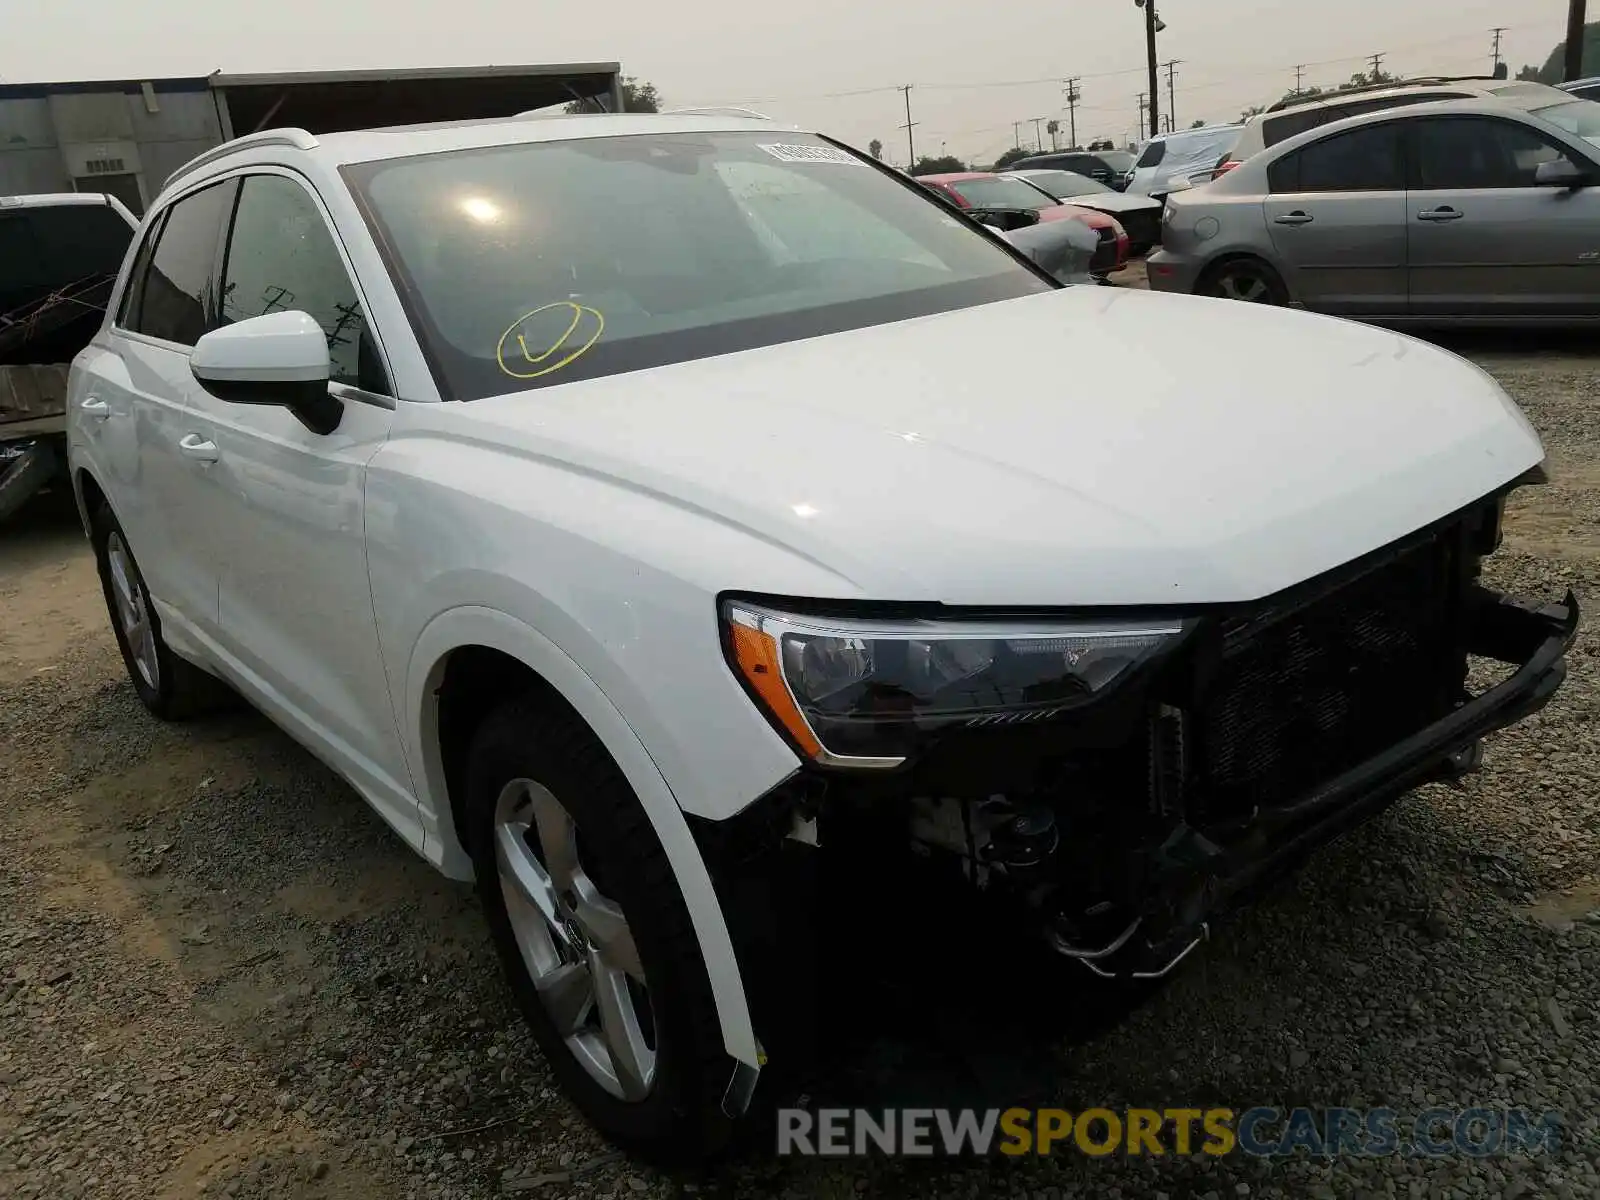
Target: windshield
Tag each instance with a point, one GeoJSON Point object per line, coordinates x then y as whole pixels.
{"type": "Point", "coordinates": [1001, 193]}
{"type": "Point", "coordinates": [1066, 183]}
{"type": "Point", "coordinates": [543, 263]}
{"type": "Point", "coordinates": [1117, 160]}
{"type": "Point", "coordinates": [1578, 117]}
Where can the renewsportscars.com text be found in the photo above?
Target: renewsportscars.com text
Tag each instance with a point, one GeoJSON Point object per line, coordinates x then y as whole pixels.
{"type": "Point", "coordinates": [1261, 1131]}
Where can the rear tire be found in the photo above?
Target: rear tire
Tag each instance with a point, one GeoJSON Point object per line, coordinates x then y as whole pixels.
{"type": "Point", "coordinates": [1246, 279]}
{"type": "Point", "coordinates": [594, 935]}
{"type": "Point", "coordinates": [169, 686]}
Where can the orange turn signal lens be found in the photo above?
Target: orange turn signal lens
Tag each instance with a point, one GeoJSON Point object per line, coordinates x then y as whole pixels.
{"type": "Point", "coordinates": [756, 652]}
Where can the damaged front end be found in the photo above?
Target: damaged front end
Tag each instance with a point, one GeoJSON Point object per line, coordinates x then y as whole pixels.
{"type": "Point", "coordinates": [1123, 777]}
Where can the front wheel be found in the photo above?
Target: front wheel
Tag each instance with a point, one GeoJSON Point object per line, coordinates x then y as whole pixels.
{"type": "Point", "coordinates": [1244, 279]}
{"type": "Point", "coordinates": [594, 934]}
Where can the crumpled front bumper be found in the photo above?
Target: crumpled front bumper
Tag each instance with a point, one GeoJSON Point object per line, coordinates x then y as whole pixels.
{"type": "Point", "coordinates": [1203, 878]}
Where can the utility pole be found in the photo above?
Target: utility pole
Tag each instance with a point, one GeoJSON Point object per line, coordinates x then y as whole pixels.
{"type": "Point", "coordinates": [1497, 31]}
{"type": "Point", "coordinates": [1575, 17]}
{"type": "Point", "coordinates": [911, 145]}
{"type": "Point", "coordinates": [1377, 66]}
{"type": "Point", "coordinates": [1141, 113]}
{"type": "Point", "coordinates": [1149, 7]}
{"type": "Point", "coordinates": [1172, 93]}
{"type": "Point", "coordinates": [1299, 80]}
{"type": "Point", "coordinates": [1038, 133]}
{"type": "Point", "coordinates": [1073, 96]}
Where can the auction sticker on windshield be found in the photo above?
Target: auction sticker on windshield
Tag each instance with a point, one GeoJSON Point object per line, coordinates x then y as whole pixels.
{"type": "Point", "coordinates": [810, 154]}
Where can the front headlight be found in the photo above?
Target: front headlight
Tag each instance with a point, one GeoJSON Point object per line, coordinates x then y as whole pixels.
{"type": "Point", "coordinates": [862, 692]}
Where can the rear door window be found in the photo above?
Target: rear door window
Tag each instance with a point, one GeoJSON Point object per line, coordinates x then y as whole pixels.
{"type": "Point", "coordinates": [177, 294]}
{"type": "Point", "coordinates": [1360, 160]}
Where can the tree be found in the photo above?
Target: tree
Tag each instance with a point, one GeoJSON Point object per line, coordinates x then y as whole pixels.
{"type": "Point", "coordinates": [875, 148]}
{"type": "Point", "coordinates": [636, 97]}
{"type": "Point", "coordinates": [1053, 128]}
{"type": "Point", "coordinates": [1554, 68]}
{"type": "Point", "coordinates": [1011, 156]}
{"type": "Point", "coordinates": [942, 164]}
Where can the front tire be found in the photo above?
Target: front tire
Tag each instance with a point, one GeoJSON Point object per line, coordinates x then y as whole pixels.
{"type": "Point", "coordinates": [594, 935]}
{"type": "Point", "coordinates": [169, 686]}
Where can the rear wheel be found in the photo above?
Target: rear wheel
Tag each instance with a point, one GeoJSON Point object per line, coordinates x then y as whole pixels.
{"type": "Point", "coordinates": [594, 934]}
{"type": "Point", "coordinates": [169, 686]}
{"type": "Point", "coordinates": [1244, 279]}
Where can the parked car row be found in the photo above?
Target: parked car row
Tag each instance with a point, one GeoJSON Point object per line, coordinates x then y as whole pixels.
{"type": "Point", "coordinates": [1441, 201]}
{"type": "Point", "coordinates": [988, 190]}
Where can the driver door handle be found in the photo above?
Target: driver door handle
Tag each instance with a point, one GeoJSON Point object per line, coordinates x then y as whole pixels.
{"type": "Point", "coordinates": [1297, 217]}
{"type": "Point", "coordinates": [1442, 213]}
{"type": "Point", "coordinates": [95, 407]}
{"type": "Point", "coordinates": [198, 447]}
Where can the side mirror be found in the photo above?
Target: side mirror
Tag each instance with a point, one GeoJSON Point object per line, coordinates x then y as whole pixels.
{"type": "Point", "coordinates": [1563, 172]}
{"type": "Point", "coordinates": [279, 359]}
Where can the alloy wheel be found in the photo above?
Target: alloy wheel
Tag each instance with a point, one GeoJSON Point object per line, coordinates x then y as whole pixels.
{"type": "Point", "coordinates": [1243, 285]}
{"type": "Point", "coordinates": [574, 940]}
{"type": "Point", "coordinates": [133, 611]}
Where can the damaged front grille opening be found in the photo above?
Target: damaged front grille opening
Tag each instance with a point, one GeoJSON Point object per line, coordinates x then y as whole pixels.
{"type": "Point", "coordinates": [1281, 724]}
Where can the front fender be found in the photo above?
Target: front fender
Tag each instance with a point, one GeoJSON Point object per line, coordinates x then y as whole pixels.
{"type": "Point", "coordinates": [469, 625]}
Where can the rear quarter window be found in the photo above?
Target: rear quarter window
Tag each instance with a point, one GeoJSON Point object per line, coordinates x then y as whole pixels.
{"type": "Point", "coordinates": [1152, 155]}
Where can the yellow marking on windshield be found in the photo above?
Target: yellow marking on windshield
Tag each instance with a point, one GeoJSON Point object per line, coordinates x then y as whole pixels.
{"type": "Point", "coordinates": [543, 357]}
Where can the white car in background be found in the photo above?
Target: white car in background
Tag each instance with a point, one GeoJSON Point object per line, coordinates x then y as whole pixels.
{"type": "Point", "coordinates": [639, 510]}
{"type": "Point", "coordinates": [1170, 162]}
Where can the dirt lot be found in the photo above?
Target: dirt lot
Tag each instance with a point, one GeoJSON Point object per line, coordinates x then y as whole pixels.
{"type": "Point", "coordinates": [220, 974]}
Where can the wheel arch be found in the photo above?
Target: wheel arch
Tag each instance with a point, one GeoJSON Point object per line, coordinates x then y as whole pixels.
{"type": "Point", "coordinates": [88, 493]}
{"type": "Point", "coordinates": [469, 659]}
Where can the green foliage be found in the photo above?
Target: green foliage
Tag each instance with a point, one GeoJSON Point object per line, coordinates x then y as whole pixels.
{"type": "Point", "coordinates": [637, 97]}
{"type": "Point", "coordinates": [1011, 156]}
{"type": "Point", "coordinates": [942, 164]}
{"type": "Point", "coordinates": [1554, 69]}
{"type": "Point", "coordinates": [875, 148]}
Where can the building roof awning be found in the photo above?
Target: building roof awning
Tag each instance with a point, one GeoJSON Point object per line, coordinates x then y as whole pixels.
{"type": "Point", "coordinates": [330, 101]}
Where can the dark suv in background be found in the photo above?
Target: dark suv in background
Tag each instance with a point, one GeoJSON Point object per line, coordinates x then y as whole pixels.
{"type": "Point", "coordinates": [1110, 167]}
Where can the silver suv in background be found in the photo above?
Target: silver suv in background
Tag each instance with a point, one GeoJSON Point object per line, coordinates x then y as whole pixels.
{"type": "Point", "coordinates": [1462, 210]}
{"type": "Point", "coordinates": [1292, 116]}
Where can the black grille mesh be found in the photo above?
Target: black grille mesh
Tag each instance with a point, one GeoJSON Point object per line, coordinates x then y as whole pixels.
{"type": "Point", "coordinates": [1310, 690]}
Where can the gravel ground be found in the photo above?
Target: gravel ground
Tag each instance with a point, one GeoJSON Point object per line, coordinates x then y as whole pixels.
{"type": "Point", "coordinates": [220, 974]}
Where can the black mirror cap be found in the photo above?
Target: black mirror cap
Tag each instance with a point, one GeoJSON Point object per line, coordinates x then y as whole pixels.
{"type": "Point", "coordinates": [307, 399]}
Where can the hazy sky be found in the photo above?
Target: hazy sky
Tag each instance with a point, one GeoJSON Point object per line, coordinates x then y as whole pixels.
{"type": "Point", "coordinates": [976, 67]}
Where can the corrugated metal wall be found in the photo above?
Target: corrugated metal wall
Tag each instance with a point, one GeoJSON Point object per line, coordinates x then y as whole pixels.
{"type": "Point", "coordinates": [48, 139]}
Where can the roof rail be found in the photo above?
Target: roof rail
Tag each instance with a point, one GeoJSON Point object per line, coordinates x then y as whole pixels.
{"type": "Point", "coordinates": [1382, 86]}
{"type": "Point", "coordinates": [716, 110]}
{"type": "Point", "coordinates": [298, 139]}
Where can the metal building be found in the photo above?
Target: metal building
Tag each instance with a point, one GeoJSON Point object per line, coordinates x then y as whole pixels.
{"type": "Point", "coordinates": [126, 136]}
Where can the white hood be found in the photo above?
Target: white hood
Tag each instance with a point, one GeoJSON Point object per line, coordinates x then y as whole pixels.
{"type": "Point", "coordinates": [1090, 446]}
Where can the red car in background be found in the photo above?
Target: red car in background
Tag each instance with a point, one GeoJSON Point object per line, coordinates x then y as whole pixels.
{"type": "Point", "coordinates": [985, 189]}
